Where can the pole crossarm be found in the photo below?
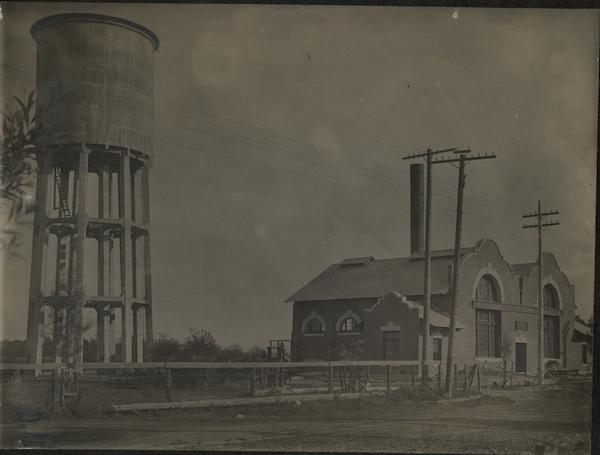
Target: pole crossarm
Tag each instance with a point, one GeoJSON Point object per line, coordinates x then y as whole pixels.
{"type": "Point", "coordinates": [549, 212]}
{"type": "Point", "coordinates": [429, 152]}
{"type": "Point", "coordinates": [540, 289]}
{"type": "Point", "coordinates": [466, 158]}
{"type": "Point", "coordinates": [463, 158]}
{"type": "Point", "coordinates": [425, 351]}
{"type": "Point", "coordinates": [527, 226]}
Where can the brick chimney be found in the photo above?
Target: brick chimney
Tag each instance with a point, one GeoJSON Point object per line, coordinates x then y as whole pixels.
{"type": "Point", "coordinates": [417, 208]}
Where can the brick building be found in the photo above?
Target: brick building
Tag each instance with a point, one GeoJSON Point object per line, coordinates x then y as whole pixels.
{"type": "Point", "coordinates": [367, 308]}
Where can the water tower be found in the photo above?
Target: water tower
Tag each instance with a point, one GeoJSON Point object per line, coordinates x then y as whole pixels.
{"type": "Point", "coordinates": [91, 235]}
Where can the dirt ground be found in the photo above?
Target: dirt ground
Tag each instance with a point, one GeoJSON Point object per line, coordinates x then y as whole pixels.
{"type": "Point", "coordinates": [513, 422]}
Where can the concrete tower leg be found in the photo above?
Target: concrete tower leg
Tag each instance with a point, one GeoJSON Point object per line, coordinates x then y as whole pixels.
{"type": "Point", "coordinates": [134, 265]}
{"type": "Point", "coordinates": [104, 289]}
{"type": "Point", "coordinates": [59, 331]}
{"type": "Point", "coordinates": [105, 240]}
{"type": "Point", "coordinates": [149, 338]}
{"type": "Point", "coordinates": [113, 336]}
{"type": "Point", "coordinates": [104, 191]}
{"type": "Point", "coordinates": [126, 255]}
{"type": "Point", "coordinates": [39, 338]}
{"type": "Point", "coordinates": [77, 298]}
{"type": "Point", "coordinates": [138, 333]}
{"type": "Point", "coordinates": [40, 239]}
{"type": "Point", "coordinates": [103, 330]}
{"type": "Point", "coordinates": [145, 188]}
{"type": "Point", "coordinates": [107, 332]}
{"type": "Point", "coordinates": [63, 271]}
{"type": "Point", "coordinates": [61, 283]}
{"type": "Point", "coordinates": [141, 319]}
{"type": "Point", "coordinates": [100, 334]}
{"type": "Point", "coordinates": [134, 334]}
{"type": "Point", "coordinates": [103, 321]}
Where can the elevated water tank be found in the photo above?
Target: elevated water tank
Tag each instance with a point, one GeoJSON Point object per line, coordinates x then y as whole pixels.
{"type": "Point", "coordinates": [95, 80]}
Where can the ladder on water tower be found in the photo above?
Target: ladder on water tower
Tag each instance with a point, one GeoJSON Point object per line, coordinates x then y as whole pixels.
{"type": "Point", "coordinates": [63, 203]}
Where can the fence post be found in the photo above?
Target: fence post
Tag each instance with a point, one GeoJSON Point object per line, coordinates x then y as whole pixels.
{"type": "Point", "coordinates": [455, 371]}
{"type": "Point", "coordinates": [412, 378]}
{"type": "Point", "coordinates": [253, 381]}
{"type": "Point", "coordinates": [478, 380]}
{"type": "Point", "coordinates": [503, 373]}
{"type": "Point", "coordinates": [388, 382]}
{"type": "Point", "coordinates": [330, 384]}
{"type": "Point", "coordinates": [55, 390]}
{"type": "Point", "coordinates": [440, 376]}
{"type": "Point", "coordinates": [168, 383]}
{"type": "Point", "coordinates": [466, 377]}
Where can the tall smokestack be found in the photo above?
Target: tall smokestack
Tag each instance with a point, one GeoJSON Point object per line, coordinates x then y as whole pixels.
{"type": "Point", "coordinates": [417, 208]}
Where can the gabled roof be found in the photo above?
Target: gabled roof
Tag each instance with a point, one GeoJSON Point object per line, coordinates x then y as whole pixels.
{"type": "Point", "coordinates": [373, 278]}
{"type": "Point", "coordinates": [524, 269]}
{"type": "Point", "coordinates": [356, 261]}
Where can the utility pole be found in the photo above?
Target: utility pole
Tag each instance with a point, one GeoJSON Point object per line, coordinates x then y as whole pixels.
{"type": "Point", "coordinates": [539, 225]}
{"type": "Point", "coordinates": [428, 155]}
{"type": "Point", "coordinates": [462, 160]}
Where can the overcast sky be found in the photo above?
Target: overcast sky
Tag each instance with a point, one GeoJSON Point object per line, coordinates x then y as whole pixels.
{"type": "Point", "coordinates": [280, 131]}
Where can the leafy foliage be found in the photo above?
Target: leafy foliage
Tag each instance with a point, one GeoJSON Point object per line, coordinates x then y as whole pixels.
{"type": "Point", "coordinates": [166, 349]}
{"type": "Point", "coordinates": [22, 139]}
{"type": "Point", "coordinates": [349, 350]}
{"type": "Point", "coordinates": [201, 346]}
{"type": "Point", "coordinates": [13, 351]}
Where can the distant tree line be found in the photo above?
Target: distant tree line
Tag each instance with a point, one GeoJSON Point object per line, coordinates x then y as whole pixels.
{"type": "Point", "coordinates": [199, 346]}
{"type": "Point", "coordinates": [13, 351]}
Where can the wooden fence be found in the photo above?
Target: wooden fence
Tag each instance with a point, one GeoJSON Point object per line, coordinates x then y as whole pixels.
{"type": "Point", "coordinates": [250, 378]}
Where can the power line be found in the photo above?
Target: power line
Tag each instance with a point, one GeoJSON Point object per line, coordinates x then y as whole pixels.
{"type": "Point", "coordinates": [258, 131]}
{"type": "Point", "coordinates": [473, 197]}
{"type": "Point", "coordinates": [226, 132]}
{"type": "Point", "coordinates": [476, 198]}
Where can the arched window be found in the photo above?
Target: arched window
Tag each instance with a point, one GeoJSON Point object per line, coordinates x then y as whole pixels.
{"type": "Point", "coordinates": [487, 290]}
{"type": "Point", "coordinates": [550, 298]}
{"type": "Point", "coordinates": [314, 326]}
{"type": "Point", "coordinates": [349, 325]}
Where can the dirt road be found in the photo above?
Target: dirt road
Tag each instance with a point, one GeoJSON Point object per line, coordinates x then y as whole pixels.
{"type": "Point", "coordinates": [507, 422]}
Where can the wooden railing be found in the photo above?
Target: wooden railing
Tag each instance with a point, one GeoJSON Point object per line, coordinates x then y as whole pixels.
{"type": "Point", "coordinates": [210, 365]}
{"type": "Point", "coordinates": [260, 377]}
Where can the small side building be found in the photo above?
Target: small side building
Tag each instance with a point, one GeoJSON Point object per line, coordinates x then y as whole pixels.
{"type": "Point", "coordinates": [581, 345]}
